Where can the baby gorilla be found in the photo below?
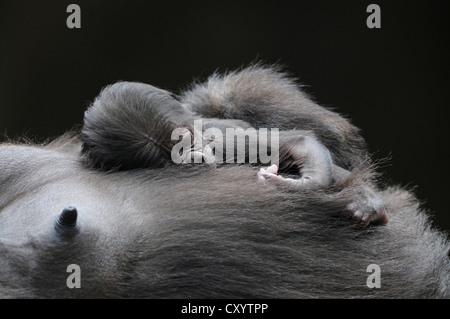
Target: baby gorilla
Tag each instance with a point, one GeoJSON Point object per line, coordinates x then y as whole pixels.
{"type": "Point", "coordinates": [129, 126]}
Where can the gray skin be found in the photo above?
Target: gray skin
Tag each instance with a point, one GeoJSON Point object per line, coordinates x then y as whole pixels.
{"type": "Point", "coordinates": [151, 229]}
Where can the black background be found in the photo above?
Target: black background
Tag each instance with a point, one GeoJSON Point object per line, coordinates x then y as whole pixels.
{"type": "Point", "coordinates": [392, 82]}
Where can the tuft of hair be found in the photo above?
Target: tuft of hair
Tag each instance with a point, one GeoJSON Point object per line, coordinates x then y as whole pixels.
{"type": "Point", "coordinates": [69, 143]}
{"type": "Point", "coordinates": [129, 126]}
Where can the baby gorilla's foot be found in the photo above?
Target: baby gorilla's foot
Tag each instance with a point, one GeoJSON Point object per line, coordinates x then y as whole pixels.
{"type": "Point", "coordinates": [368, 208]}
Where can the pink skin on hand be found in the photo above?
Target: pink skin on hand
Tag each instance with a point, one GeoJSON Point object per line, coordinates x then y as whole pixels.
{"type": "Point", "coordinates": [271, 171]}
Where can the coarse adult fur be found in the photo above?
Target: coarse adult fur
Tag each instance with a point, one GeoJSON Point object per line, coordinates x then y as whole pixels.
{"type": "Point", "coordinates": [151, 229]}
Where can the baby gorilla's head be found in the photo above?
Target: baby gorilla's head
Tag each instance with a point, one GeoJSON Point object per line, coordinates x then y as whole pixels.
{"type": "Point", "coordinates": [129, 126]}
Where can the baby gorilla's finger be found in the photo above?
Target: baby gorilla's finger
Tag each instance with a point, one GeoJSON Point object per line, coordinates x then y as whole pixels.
{"type": "Point", "coordinates": [273, 169]}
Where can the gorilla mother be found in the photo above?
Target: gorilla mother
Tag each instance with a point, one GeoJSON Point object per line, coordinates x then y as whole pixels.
{"type": "Point", "coordinates": [138, 226]}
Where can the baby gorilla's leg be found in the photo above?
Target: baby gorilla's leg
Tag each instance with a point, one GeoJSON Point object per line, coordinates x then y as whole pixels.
{"type": "Point", "coordinates": [310, 157]}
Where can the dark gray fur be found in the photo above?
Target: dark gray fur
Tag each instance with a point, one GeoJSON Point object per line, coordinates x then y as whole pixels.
{"type": "Point", "coordinates": [201, 231]}
{"type": "Point", "coordinates": [129, 124]}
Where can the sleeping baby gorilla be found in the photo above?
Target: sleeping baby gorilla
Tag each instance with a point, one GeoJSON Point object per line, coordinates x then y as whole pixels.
{"type": "Point", "coordinates": [130, 126]}
{"type": "Point", "coordinates": [141, 217]}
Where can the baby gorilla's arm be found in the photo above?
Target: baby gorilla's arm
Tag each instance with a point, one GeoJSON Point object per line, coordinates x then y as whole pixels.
{"type": "Point", "coordinates": [308, 157]}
